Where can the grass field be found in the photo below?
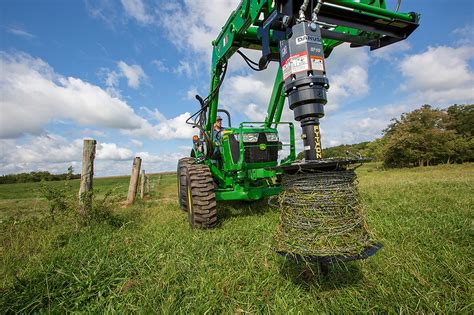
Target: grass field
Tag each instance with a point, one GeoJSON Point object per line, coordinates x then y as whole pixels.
{"type": "Point", "coordinates": [150, 261]}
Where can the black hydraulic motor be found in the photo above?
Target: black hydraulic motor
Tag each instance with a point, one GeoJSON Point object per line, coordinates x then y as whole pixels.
{"type": "Point", "coordinates": [304, 75]}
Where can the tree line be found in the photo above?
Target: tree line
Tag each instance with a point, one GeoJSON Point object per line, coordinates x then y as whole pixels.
{"type": "Point", "coordinates": [37, 177]}
{"type": "Point", "coordinates": [425, 136]}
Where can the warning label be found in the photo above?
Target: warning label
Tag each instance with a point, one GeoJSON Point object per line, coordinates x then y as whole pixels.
{"type": "Point", "coordinates": [317, 63]}
{"type": "Point", "coordinates": [299, 63]}
{"type": "Point", "coordinates": [286, 67]}
{"type": "Point", "coordinates": [295, 64]}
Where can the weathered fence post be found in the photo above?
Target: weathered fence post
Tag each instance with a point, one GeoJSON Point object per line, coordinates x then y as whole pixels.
{"type": "Point", "coordinates": [142, 186]}
{"type": "Point", "coordinates": [132, 188]}
{"type": "Point", "coordinates": [87, 176]}
{"type": "Point", "coordinates": [148, 184]}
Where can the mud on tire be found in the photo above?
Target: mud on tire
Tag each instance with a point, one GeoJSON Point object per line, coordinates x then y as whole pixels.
{"type": "Point", "coordinates": [182, 180]}
{"type": "Point", "coordinates": [201, 198]}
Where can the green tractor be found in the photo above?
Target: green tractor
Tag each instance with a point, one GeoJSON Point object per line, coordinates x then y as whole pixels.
{"type": "Point", "coordinates": [242, 162]}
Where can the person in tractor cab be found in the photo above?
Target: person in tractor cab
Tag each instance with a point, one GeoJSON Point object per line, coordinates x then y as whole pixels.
{"type": "Point", "coordinates": [216, 156]}
{"type": "Point", "coordinates": [218, 128]}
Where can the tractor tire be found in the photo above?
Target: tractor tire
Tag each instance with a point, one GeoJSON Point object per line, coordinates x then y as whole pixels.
{"type": "Point", "coordinates": [182, 181]}
{"type": "Point", "coordinates": [201, 198]}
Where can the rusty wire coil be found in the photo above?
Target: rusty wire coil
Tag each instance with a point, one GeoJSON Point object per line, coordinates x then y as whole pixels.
{"type": "Point", "coordinates": [321, 215]}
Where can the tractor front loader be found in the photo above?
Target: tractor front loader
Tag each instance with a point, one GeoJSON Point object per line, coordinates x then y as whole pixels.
{"type": "Point", "coordinates": [242, 162]}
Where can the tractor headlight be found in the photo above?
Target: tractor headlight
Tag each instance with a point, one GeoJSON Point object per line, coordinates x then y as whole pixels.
{"type": "Point", "coordinates": [250, 137]}
{"type": "Point", "coordinates": [271, 137]}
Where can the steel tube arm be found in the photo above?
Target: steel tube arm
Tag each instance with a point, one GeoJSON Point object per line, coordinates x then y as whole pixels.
{"type": "Point", "coordinates": [373, 9]}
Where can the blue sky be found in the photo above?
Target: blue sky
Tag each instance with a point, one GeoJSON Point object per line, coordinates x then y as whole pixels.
{"type": "Point", "coordinates": [125, 73]}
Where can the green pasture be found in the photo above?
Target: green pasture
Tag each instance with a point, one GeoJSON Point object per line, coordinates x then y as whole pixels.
{"type": "Point", "coordinates": [148, 260]}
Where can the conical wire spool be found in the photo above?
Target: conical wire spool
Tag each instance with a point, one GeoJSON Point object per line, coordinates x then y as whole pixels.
{"type": "Point", "coordinates": [322, 217]}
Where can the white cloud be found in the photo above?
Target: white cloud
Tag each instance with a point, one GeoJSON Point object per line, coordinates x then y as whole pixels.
{"type": "Point", "coordinates": [111, 79]}
{"type": "Point", "coordinates": [160, 65]}
{"type": "Point", "coordinates": [350, 83]}
{"type": "Point", "coordinates": [153, 158]}
{"type": "Point", "coordinates": [165, 129]}
{"type": "Point", "coordinates": [191, 93]}
{"type": "Point", "coordinates": [110, 151]}
{"type": "Point", "coordinates": [440, 75]}
{"type": "Point", "coordinates": [136, 143]}
{"type": "Point", "coordinates": [136, 9]}
{"type": "Point", "coordinates": [56, 149]}
{"type": "Point", "coordinates": [465, 34]}
{"type": "Point", "coordinates": [93, 133]}
{"type": "Point", "coordinates": [45, 148]}
{"type": "Point", "coordinates": [185, 68]}
{"type": "Point", "coordinates": [241, 90]}
{"type": "Point", "coordinates": [255, 112]}
{"type": "Point", "coordinates": [133, 73]}
{"type": "Point", "coordinates": [34, 95]}
{"type": "Point", "coordinates": [359, 125]}
{"type": "Point", "coordinates": [347, 72]}
{"type": "Point", "coordinates": [391, 52]}
{"type": "Point", "coordinates": [202, 21]}
{"type": "Point", "coordinates": [154, 114]}
{"type": "Point", "coordinates": [20, 32]}
{"type": "Point", "coordinates": [105, 10]}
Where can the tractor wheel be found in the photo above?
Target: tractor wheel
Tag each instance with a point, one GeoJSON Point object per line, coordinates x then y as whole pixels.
{"type": "Point", "coordinates": [201, 198]}
{"type": "Point", "coordinates": [182, 182]}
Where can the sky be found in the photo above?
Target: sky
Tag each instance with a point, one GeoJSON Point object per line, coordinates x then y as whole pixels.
{"type": "Point", "coordinates": [125, 72]}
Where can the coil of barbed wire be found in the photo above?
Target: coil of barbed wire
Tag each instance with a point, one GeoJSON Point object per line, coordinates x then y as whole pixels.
{"type": "Point", "coordinates": [321, 215]}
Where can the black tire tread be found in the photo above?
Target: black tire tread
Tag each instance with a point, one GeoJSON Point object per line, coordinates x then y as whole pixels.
{"type": "Point", "coordinates": [183, 163]}
{"type": "Point", "coordinates": [203, 197]}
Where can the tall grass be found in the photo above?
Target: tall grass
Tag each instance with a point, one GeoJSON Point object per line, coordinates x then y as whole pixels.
{"type": "Point", "coordinates": [153, 262]}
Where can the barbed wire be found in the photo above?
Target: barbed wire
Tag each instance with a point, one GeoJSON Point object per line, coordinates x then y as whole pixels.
{"type": "Point", "coordinates": [321, 215]}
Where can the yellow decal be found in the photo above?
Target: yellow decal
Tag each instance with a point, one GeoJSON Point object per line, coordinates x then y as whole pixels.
{"type": "Point", "coordinates": [189, 201]}
{"type": "Point", "coordinates": [317, 142]}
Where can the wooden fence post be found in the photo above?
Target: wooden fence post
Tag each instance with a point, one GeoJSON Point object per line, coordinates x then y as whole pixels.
{"type": "Point", "coordinates": [132, 188]}
{"type": "Point", "coordinates": [142, 186]}
{"type": "Point", "coordinates": [87, 176]}
{"type": "Point", "coordinates": [148, 184]}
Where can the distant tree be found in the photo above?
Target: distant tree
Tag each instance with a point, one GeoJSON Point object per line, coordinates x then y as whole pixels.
{"type": "Point", "coordinates": [375, 149]}
{"type": "Point", "coordinates": [423, 137]}
{"type": "Point", "coordinates": [37, 177]}
{"type": "Point", "coordinates": [461, 119]}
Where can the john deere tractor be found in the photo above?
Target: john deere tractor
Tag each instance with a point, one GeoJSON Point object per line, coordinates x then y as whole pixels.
{"type": "Point", "coordinates": [242, 161]}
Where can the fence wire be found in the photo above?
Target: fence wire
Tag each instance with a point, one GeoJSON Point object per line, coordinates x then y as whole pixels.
{"type": "Point", "coordinates": [321, 215]}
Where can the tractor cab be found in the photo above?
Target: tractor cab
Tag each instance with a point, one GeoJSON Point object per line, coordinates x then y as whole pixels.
{"type": "Point", "coordinates": [252, 145]}
{"type": "Point", "coordinates": [249, 147]}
